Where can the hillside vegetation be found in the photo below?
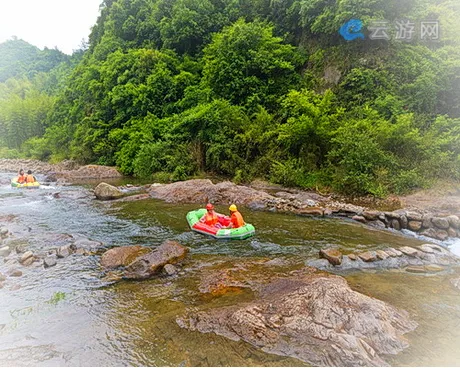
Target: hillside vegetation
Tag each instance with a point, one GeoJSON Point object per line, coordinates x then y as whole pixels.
{"type": "Point", "coordinates": [246, 89]}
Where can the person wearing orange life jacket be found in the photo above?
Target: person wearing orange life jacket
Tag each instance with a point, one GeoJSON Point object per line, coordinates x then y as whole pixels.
{"type": "Point", "coordinates": [21, 177]}
{"type": "Point", "coordinates": [30, 178]}
{"type": "Point", "coordinates": [236, 218]}
{"type": "Point", "coordinates": [210, 218]}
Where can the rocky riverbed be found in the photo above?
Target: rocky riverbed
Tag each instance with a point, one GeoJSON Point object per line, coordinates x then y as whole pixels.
{"type": "Point", "coordinates": [291, 295]}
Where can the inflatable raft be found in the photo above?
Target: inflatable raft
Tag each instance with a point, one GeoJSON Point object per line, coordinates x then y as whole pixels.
{"type": "Point", "coordinates": [15, 184]}
{"type": "Point", "coordinates": [193, 219]}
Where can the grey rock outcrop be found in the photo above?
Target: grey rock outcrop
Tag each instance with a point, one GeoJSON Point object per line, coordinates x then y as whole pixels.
{"type": "Point", "coordinates": [315, 318]}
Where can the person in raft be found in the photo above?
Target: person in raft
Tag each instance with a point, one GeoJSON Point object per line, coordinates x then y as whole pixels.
{"type": "Point", "coordinates": [211, 218]}
{"type": "Point", "coordinates": [21, 177]}
{"type": "Point", "coordinates": [235, 217]}
{"type": "Point", "coordinates": [30, 178]}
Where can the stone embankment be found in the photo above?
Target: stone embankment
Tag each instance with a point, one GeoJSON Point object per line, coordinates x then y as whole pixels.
{"type": "Point", "coordinates": [67, 170]}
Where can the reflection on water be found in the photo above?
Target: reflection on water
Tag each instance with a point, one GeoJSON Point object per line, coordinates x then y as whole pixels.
{"type": "Point", "coordinates": [67, 315]}
{"type": "Point", "coordinates": [432, 302]}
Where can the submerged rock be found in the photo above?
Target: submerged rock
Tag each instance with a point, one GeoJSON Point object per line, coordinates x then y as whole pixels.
{"type": "Point", "coordinates": [5, 251]}
{"type": "Point", "coordinates": [314, 317]}
{"type": "Point", "coordinates": [455, 283]}
{"type": "Point", "coordinates": [3, 232]}
{"type": "Point", "coordinates": [219, 282]}
{"type": "Point", "coordinates": [49, 262]}
{"type": "Point", "coordinates": [149, 264]}
{"type": "Point", "coordinates": [14, 273]}
{"type": "Point", "coordinates": [106, 191]}
{"type": "Point", "coordinates": [65, 250]}
{"type": "Point", "coordinates": [25, 257]}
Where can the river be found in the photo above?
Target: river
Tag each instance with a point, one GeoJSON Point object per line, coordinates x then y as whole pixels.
{"type": "Point", "coordinates": [68, 315]}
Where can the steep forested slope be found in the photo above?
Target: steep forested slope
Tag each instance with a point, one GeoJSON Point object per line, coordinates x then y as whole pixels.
{"type": "Point", "coordinates": [264, 88]}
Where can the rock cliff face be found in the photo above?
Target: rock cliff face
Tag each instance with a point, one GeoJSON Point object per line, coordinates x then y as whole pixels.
{"type": "Point", "coordinates": [314, 317]}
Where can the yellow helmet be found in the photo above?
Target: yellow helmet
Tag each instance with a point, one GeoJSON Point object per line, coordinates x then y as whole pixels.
{"type": "Point", "coordinates": [233, 208]}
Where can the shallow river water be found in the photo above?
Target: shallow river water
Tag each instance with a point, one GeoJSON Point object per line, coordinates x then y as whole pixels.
{"type": "Point", "coordinates": [68, 315]}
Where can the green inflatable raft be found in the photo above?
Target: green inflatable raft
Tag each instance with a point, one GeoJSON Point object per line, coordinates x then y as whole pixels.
{"type": "Point", "coordinates": [15, 184]}
{"type": "Point", "coordinates": [193, 219]}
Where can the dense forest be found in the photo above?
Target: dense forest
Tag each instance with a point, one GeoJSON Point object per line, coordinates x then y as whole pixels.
{"type": "Point", "coordinates": [246, 89]}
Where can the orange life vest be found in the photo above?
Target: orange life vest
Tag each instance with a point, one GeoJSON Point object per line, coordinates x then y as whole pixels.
{"type": "Point", "coordinates": [30, 179]}
{"type": "Point", "coordinates": [211, 219]}
{"type": "Point", "coordinates": [21, 179]}
{"type": "Point", "coordinates": [237, 220]}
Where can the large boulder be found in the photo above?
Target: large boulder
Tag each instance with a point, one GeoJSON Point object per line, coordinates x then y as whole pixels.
{"type": "Point", "coordinates": [122, 256]}
{"type": "Point", "coordinates": [152, 263]}
{"type": "Point", "coordinates": [313, 317]}
{"type": "Point", "coordinates": [106, 191]}
{"type": "Point", "coordinates": [203, 191]}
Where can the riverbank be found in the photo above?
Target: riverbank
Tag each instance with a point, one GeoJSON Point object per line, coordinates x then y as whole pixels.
{"type": "Point", "coordinates": [66, 171]}
{"type": "Point", "coordinates": [431, 213]}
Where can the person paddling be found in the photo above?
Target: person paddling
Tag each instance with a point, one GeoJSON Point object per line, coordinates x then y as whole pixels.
{"type": "Point", "coordinates": [21, 177]}
{"type": "Point", "coordinates": [211, 218]}
{"type": "Point", "coordinates": [235, 217]}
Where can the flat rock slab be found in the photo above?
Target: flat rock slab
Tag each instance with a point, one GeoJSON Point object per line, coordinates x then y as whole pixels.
{"type": "Point", "coordinates": [425, 248]}
{"type": "Point", "coordinates": [392, 252]}
{"type": "Point", "coordinates": [409, 251]}
{"type": "Point", "coordinates": [381, 254]}
{"type": "Point", "coordinates": [316, 318]}
{"type": "Point", "coordinates": [368, 256]}
{"type": "Point", "coordinates": [352, 256]}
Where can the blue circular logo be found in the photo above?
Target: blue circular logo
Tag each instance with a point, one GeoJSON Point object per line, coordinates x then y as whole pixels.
{"type": "Point", "coordinates": [350, 30]}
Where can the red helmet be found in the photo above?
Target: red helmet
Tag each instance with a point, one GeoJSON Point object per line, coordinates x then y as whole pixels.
{"type": "Point", "coordinates": [209, 206]}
